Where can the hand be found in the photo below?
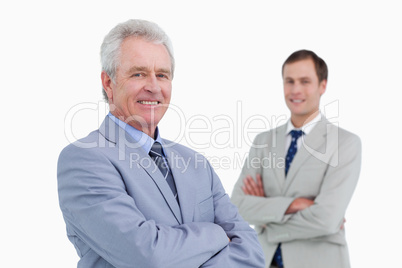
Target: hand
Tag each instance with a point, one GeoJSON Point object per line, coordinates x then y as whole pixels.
{"type": "Point", "coordinates": [252, 187]}
{"type": "Point", "coordinates": [343, 224]}
{"type": "Point", "coordinates": [299, 204]}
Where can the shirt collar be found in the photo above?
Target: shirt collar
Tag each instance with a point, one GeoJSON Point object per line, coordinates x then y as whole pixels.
{"type": "Point", "coordinates": [307, 127]}
{"type": "Point", "coordinates": [143, 140]}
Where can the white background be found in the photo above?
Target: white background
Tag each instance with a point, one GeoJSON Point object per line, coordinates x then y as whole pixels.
{"type": "Point", "coordinates": [228, 56]}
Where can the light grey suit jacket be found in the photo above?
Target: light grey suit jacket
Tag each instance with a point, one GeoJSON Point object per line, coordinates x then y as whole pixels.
{"type": "Point", "coordinates": [120, 212]}
{"type": "Point", "coordinates": [326, 168]}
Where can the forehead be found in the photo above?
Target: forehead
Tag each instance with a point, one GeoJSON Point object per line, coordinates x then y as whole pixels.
{"type": "Point", "coordinates": [299, 69]}
{"type": "Point", "coordinates": [138, 51]}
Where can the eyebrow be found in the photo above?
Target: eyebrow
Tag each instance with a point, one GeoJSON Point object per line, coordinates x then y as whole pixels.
{"type": "Point", "coordinates": [164, 70]}
{"type": "Point", "coordinates": [297, 78]}
{"type": "Point", "coordinates": [145, 69]}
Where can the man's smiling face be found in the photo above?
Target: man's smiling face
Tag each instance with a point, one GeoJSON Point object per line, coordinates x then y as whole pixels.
{"type": "Point", "coordinates": [141, 92]}
{"type": "Point", "coordinates": [302, 89]}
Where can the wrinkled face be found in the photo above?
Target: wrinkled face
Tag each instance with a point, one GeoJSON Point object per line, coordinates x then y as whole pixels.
{"type": "Point", "coordinates": [142, 89]}
{"type": "Point", "coordinates": [302, 89]}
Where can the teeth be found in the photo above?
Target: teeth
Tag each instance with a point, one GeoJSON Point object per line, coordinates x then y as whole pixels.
{"type": "Point", "coordinates": [297, 101]}
{"type": "Point", "coordinates": [149, 102]}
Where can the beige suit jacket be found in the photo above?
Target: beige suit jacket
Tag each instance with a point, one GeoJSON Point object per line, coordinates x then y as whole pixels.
{"type": "Point", "coordinates": [325, 168]}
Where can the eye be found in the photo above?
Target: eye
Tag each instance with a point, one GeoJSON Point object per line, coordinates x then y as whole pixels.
{"type": "Point", "coordinates": [162, 76]}
{"type": "Point", "coordinates": [305, 81]}
{"type": "Point", "coordinates": [138, 75]}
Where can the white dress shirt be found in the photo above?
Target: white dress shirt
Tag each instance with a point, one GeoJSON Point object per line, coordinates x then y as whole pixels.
{"type": "Point", "coordinates": [306, 130]}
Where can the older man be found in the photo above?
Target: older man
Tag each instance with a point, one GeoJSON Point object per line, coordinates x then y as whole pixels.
{"type": "Point", "coordinates": [132, 199]}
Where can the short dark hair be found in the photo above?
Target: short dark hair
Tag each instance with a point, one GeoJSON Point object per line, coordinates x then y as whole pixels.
{"type": "Point", "coordinates": [320, 66]}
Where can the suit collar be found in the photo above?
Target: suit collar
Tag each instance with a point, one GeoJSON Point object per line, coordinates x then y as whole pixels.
{"type": "Point", "coordinates": [127, 146]}
{"type": "Point", "coordinates": [140, 137]}
{"type": "Point", "coordinates": [310, 143]}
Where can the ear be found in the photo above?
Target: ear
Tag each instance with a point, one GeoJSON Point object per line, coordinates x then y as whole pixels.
{"type": "Point", "coordinates": [323, 87]}
{"type": "Point", "coordinates": [107, 85]}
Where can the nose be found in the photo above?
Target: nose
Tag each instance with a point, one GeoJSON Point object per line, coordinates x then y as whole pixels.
{"type": "Point", "coordinates": [152, 84]}
{"type": "Point", "coordinates": [296, 88]}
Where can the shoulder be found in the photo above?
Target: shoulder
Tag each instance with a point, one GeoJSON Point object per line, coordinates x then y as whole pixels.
{"type": "Point", "coordinates": [342, 142]}
{"type": "Point", "coordinates": [263, 137]}
{"type": "Point", "coordinates": [84, 148]}
{"type": "Point", "coordinates": [344, 136]}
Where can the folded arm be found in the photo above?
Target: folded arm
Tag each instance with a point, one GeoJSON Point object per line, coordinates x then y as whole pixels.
{"type": "Point", "coordinates": [287, 218]}
{"type": "Point", "coordinates": [326, 215]}
{"type": "Point", "coordinates": [248, 193]}
{"type": "Point", "coordinates": [244, 249]}
{"type": "Point", "coordinates": [256, 188]}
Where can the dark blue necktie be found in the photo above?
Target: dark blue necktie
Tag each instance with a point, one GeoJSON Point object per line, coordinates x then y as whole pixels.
{"type": "Point", "coordinates": [296, 134]}
{"type": "Point", "coordinates": [292, 149]}
{"type": "Point", "coordinates": [156, 154]}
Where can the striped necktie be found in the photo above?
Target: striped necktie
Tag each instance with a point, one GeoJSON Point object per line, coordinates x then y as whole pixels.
{"type": "Point", "coordinates": [157, 155]}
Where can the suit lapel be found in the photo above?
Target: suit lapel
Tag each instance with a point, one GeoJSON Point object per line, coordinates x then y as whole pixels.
{"type": "Point", "coordinates": [278, 151]}
{"type": "Point", "coordinates": [312, 142]}
{"type": "Point", "coordinates": [127, 146]}
{"type": "Point", "coordinates": [185, 187]}
{"type": "Point", "coordinates": [155, 174]}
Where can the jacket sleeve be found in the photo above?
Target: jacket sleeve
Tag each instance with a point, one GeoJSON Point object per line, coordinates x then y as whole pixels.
{"type": "Point", "coordinates": [326, 216]}
{"type": "Point", "coordinates": [244, 249]}
{"type": "Point", "coordinates": [256, 210]}
{"type": "Point", "coordinates": [98, 210]}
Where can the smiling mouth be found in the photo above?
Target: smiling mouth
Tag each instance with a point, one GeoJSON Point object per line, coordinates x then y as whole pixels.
{"type": "Point", "coordinates": [149, 102]}
{"type": "Point", "coordinates": [297, 101]}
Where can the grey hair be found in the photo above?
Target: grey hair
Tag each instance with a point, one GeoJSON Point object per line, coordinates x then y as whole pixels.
{"type": "Point", "coordinates": [110, 49]}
